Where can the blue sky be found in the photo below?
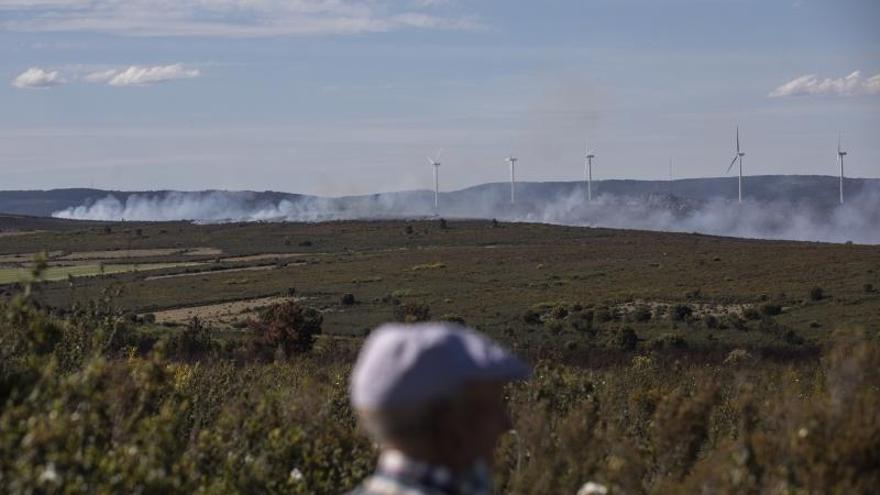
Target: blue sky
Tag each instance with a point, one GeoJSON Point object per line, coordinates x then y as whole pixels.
{"type": "Point", "coordinates": [341, 97]}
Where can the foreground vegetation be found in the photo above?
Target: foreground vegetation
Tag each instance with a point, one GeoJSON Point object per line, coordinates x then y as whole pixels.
{"type": "Point", "coordinates": [664, 363]}
{"type": "Point", "coordinates": [84, 411]}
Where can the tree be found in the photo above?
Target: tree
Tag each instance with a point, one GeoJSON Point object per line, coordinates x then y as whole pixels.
{"type": "Point", "coordinates": [289, 326]}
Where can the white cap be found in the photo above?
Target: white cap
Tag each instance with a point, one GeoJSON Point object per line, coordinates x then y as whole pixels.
{"type": "Point", "coordinates": [408, 365]}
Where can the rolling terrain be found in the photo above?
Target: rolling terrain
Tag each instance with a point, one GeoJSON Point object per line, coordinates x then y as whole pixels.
{"type": "Point", "coordinates": [502, 278]}
{"type": "Point", "coordinates": [687, 363]}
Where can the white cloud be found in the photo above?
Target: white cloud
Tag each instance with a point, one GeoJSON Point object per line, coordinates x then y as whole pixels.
{"type": "Point", "coordinates": [36, 77]}
{"type": "Point", "coordinates": [228, 18]}
{"type": "Point", "coordinates": [851, 85]}
{"type": "Point", "coordinates": [137, 75]}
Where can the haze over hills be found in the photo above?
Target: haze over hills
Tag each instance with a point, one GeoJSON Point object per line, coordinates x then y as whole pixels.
{"type": "Point", "coordinates": [775, 207]}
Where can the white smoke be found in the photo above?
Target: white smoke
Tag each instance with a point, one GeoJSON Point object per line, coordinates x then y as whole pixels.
{"type": "Point", "coordinates": [857, 221]}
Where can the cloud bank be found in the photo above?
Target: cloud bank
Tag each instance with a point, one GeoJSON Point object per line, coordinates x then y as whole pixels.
{"type": "Point", "coordinates": [858, 220]}
{"type": "Point", "coordinates": [137, 75]}
{"type": "Point", "coordinates": [37, 78]}
{"type": "Point", "coordinates": [851, 85]}
{"type": "Point", "coordinates": [226, 18]}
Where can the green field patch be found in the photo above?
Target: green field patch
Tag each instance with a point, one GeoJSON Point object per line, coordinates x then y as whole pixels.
{"type": "Point", "coordinates": [12, 275]}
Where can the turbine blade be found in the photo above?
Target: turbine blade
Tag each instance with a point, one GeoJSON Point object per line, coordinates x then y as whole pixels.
{"type": "Point", "coordinates": [732, 163]}
{"type": "Point", "coordinates": [737, 139]}
{"type": "Point", "coordinates": [430, 160]}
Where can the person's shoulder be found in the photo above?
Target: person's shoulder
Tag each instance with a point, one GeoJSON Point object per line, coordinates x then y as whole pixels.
{"type": "Point", "coordinates": [378, 485]}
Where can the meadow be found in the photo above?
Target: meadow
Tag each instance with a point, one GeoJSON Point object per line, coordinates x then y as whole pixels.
{"type": "Point", "coordinates": [665, 363]}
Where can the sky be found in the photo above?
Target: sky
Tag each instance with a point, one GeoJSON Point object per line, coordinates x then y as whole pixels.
{"type": "Point", "coordinates": [338, 97]}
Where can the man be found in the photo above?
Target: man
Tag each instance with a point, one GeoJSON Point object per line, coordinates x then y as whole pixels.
{"type": "Point", "coordinates": [431, 396]}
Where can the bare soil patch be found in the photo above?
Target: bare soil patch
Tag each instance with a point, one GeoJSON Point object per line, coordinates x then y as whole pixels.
{"type": "Point", "coordinates": [25, 257]}
{"type": "Point", "coordinates": [203, 251]}
{"type": "Point", "coordinates": [263, 257]}
{"type": "Point", "coordinates": [212, 272]}
{"type": "Point", "coordinates": [120, 254]}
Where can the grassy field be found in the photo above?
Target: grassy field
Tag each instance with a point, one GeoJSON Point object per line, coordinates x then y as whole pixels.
{"type": "Point", "coordinates": [64, 272]}
{"type": "Point", "coordinates": [665, 363]}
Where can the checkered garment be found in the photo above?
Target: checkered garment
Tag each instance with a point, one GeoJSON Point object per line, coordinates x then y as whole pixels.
{"type": "Point", "coordinates": [399, 475]}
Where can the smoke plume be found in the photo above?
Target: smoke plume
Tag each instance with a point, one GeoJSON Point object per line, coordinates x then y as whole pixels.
{"type": "Point", "coordinates": [857, 221]}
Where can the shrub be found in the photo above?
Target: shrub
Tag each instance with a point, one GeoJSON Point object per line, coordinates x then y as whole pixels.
{"type": "Point", "coordinates": [582, 321]}
{"type": "Point", "coordinates": [554, 326]}
{"type": "Point", "coordinates": [681, 312]}
{"type": "Point", "coordinates": [347, 299]}
{"type": "Point", "coordinates": [669, 341]}
{"type": "Point", "coordinates": [738, 356]}
{"type": "Point", "coordinates": [531, 317]}
{"type": "Point", "coordinates": [711, 321]}
{"type": "Point", "coordinates": [771, 309]}
{"type": "Point", "coordinates": [605, 314]}
{"type": "Point", "coordinates": [558, 312]}
{"type": "Point", "coordinates": [868, 288]}
{"type": "Point", "coordinates": [817, 294]}
{"type": "Point", "coordinates": [751, 314]}
{"type": "Point", "coordinates": [289, 327]}
{"type": "Point", "coordinates": [193, 342]}
{"type": "Point", "coordinates": [791, 337]}
{"type": "Point", "coordinates": [641, 313]}
{"type": "Point", "coordinates": [443, 224]}
{"type": "Point", "coordinates": [412, 312]}
{"type": "Point", "coordinates": [626, 339]}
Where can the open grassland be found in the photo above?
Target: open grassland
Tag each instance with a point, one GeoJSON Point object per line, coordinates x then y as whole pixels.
{"type": "Point", "coordinates": [665, 363]}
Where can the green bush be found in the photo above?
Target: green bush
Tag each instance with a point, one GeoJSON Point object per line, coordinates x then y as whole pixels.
{"type": "Point", "coordinates": [626, 339]}
{"type": "Point", "coordinates": [751, 314]}
{"type": "Point", "coordinates": [289, 327]}
{"type": "Point", "coordinates": [641, 314]}
{"type": "Point", "coordinates": [771, 309]}
{"type": "Point", "coordinates": [681, 312]}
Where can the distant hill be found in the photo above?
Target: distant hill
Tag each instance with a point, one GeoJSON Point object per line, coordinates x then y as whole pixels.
{"type": "Point", "coordinates": [817, 191]}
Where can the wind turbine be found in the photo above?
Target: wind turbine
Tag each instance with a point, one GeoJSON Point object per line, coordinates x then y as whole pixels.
{"type": "Point", "coordinates": [840, 155]}
{"type": "Point", "coordinates": [739, 156]}
{"type": "Point", "coordinates": [512, 161]}
{"type": "Point", "coordinates": [435, 162]}
{"type": "Point", "coordinates": [588, 172]}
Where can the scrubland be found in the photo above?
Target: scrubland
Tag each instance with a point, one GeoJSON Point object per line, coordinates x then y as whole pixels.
{"type": "Point", "coordinates": [664, 363]}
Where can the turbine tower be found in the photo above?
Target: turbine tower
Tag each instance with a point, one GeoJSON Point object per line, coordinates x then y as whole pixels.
{"type": "Point", "coordinates": [512, 161]}
{"type": "Point", "coordinates": [739, 156]}
{"type": "Point", "coordinates": [588, 172]}
{"type": "Point", "coordinates": [840, 155]}
{"type": "Point", "coordinates": [435, 162]}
